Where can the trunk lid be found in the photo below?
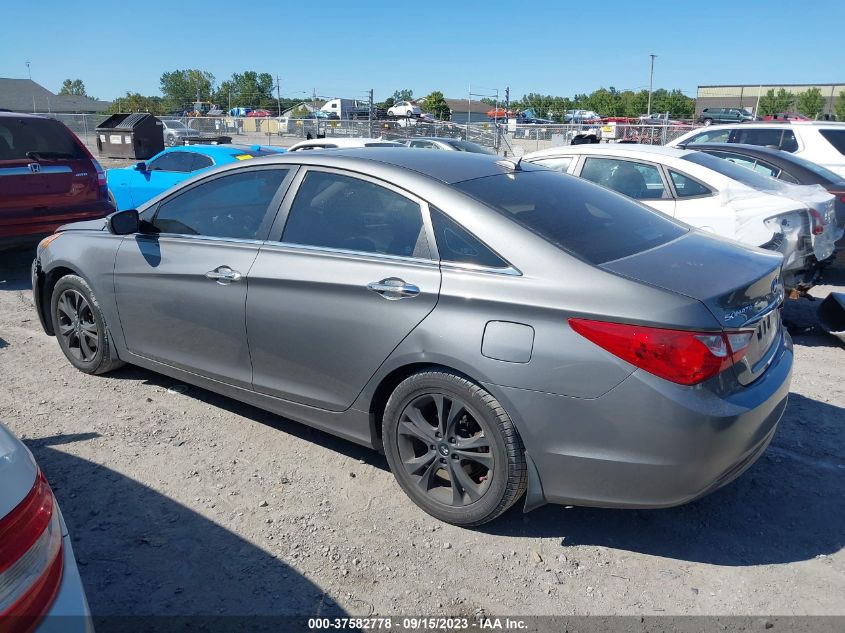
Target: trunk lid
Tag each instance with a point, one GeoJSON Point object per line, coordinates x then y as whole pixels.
{"type": "Point", "coordinates": [741, 286]}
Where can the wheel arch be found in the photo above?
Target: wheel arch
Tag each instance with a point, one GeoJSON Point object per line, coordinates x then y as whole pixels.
{"type": "Point", "coordinates": [388, 383]}
{"type": "Point", "coordinates": [48, 283]}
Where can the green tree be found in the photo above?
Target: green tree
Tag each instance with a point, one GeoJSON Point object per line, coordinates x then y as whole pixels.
{"type": "Point", "coordinates": [675, 102]}
{"type": "Point", "coordinates": [403, 95]}
{"type": "Point", "coordinates": [247, 89]}
{"type": "Point", "coordinates": [436, 105]}
{"type": "Point", "coordinates": [73, 87]}
{"type": "Point", "coordinates": [134, 102]}
{"type": "Point", "coordinates": [181, 87]}
{"type": "Point", "coordinates": [810, 103]}
{"type": "Point", "coordinates": [773, 103]}
{"type": "Point", "coordinates": [840, 107]}
{"type": "Point", "coordinates": [300, 112]}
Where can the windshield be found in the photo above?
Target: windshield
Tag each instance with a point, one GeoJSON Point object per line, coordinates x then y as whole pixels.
{"type": "Point", "coordinates": [175, 124]}
{"type": "Point", "coordinates": [746, 176]}
{"type": "Point", "coordinates": [591, 222]}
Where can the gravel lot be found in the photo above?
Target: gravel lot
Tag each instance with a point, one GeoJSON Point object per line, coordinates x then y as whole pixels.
{"type": "Point", "coordinates": [180, 501]}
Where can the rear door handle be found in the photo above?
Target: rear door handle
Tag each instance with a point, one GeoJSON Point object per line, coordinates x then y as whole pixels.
{"type": "Point", "coordinates": [224, 275]}
{"type": "Point", "coordinates": [394, 289]}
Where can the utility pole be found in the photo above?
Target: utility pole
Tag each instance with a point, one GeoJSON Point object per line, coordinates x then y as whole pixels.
{"type": "Point", "coordinates": [278, 96]}
{"type": "Point", "coordinates": [650, 78]}
{"type": "Point", "coordinates": [370, 111]}
{"type": "Point", "coordinates": [28, 70]}
{"type": "Point", "coordinates": [507, 103]}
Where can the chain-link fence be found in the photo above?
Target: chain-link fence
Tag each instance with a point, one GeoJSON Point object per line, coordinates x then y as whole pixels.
{"type": "Point", "coordinates": [502, 137]}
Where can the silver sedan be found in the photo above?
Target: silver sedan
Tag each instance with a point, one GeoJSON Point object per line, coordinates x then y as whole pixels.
{"type": "Point", "coordinates": [499, 330]}
{"type": "Point", "coordinates": [40, 587]}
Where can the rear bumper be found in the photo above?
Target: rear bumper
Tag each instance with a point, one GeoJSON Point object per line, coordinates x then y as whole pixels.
{"type": "Point", "coordinates": [647, 443]}
{"type": "Point", "coordinates": [69, 612]}
{"type": "Point", "coordinates": [32, 224]}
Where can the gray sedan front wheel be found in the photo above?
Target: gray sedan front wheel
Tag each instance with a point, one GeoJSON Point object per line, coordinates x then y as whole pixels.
{"type": "Point", "coordinates": [80, 327]}
{"type": "Point", "coordinates": [453, 449]}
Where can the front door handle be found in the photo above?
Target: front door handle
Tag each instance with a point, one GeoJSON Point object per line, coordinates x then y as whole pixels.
{"type": "Point", "coordinates": [224, 275]}
{"type": "Point", "coordinates": [394, 288]}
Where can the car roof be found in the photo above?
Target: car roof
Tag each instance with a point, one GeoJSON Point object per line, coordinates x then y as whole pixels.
{"type": "Point", "coordinates": [18, 115]}
{"type": "Point", "coordinates": [446, 167]}
{"type": "Point", "coordinates": [216, 150]}
{"type": "Point", "coordinates": [771, 125]}
{"type": "Point", "coordinates": [742, 148]}
{"type": "Point", "coordinates": [341, 141]}
{"type": "Point", "coordinates": [612, 149]}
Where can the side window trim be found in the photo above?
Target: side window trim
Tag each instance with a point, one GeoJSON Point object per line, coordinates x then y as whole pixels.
{"type": "Point", "coordinates": [270, 213]}
{"type": "Point", "coordinates": [275, 235]}
{"type": "Point", "coordinates": [509, 269]}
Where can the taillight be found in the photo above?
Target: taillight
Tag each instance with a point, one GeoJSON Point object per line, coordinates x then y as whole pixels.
{"type": "Point", "coordinates": [30, 559]}
{"type": "Point", "coordinates": [816, 222]}
{"type": "Point", "coordinates": [683, 357]}
{"type": "Point", "coordinates": [101, 173]}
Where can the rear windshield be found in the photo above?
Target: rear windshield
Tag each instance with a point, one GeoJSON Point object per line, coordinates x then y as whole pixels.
{"type": "Point", "coordinates": [820, 171]}
{"type": "Point", "coordinates": [37, 139]}
{"type": "Point", "coordinates": [835, 138]}
{"type": "Point", "coordinates": [746, 176]}
{"type": "Point", "coordinates": [473, 148]}
{"type": "Point", "coordinates": [589, 221]}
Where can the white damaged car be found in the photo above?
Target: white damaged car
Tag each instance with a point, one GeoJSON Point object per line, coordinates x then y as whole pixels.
{"type": "Point", "coordinates": [714, 195]}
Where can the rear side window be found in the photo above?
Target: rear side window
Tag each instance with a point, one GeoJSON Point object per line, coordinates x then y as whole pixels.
{"type": "Point", "coordinates": [25, 138]}
{"type": "Point", "coordinates": [835, 138]}
{"type": "Point", "coordinates": [686, 187]}
{"type": "Point", "coordinates": [336, 211]}
{"type": "Point", "coordinates": [459, 246]}
{"type": "Point", "coordinates": [590, 222]}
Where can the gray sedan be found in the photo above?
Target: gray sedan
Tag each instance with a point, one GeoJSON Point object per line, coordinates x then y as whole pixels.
{"type": "Point", "coordinates": [499, 330]}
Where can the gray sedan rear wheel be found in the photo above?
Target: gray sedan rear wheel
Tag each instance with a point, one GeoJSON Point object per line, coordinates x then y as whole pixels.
{"type": "Point", "coordinates": [453, 449]}
{"type": "Point", "coordinates": [80, 327]}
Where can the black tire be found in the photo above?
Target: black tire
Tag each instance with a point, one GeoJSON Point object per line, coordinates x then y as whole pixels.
{"type": "Point", "coordinates": [171, 141]}
{"type": "Point", "coordinates": [112, 200]}
{"type": "Point", "coordinates": [708, 121]}
{"type": "Point", "coordinates": [80, 327]}
{"type": "Point", "coordinates": [477, 446]}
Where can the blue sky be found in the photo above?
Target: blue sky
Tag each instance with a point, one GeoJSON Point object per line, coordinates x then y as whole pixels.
{"type": "Point", "coordinates": [345, 48]}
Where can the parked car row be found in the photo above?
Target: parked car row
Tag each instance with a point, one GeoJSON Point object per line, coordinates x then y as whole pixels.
{"type": "Point", "coordinates": [821, 142]}
{"type": "Point", "coordinates": [714, 195]}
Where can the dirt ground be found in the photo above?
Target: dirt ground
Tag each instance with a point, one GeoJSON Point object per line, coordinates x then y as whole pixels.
{"type": "Point", "coordinates": [180, 501]}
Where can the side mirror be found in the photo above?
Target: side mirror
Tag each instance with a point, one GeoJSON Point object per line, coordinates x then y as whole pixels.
{"type": "Point", "coordinates": [124, 222]}
{"type": "Point", "coordinates": [142, 166]}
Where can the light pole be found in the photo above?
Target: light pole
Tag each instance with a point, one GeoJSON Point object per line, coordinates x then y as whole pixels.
{"type": "Point", "coordinates": [650, 78]}
{"type": "Point", "coordinates": [28, 70]}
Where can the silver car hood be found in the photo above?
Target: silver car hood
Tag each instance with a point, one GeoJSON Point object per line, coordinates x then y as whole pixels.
{"type": "Point", "coordinates": [17, 471]}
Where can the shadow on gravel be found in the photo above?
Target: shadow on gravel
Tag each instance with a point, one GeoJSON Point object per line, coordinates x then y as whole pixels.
{"type": "Point", "coordinates": [141, 553]}
{"type": "Point", "coordinates": [302, 431]}
{"type": "Point", "coordinates": [790, 506]}
{"type": "Point", "coordinates": [14, 268]}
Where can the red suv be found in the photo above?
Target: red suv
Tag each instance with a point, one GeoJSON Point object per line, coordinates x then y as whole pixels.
{"type": "Point", "coordinates": [47, 178]}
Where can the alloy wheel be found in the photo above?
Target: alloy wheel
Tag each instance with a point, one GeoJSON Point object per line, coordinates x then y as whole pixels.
{"type": "Point", "coordinates": [444, 449]}
{"type": "Point", "coordinates": [77, 325]}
